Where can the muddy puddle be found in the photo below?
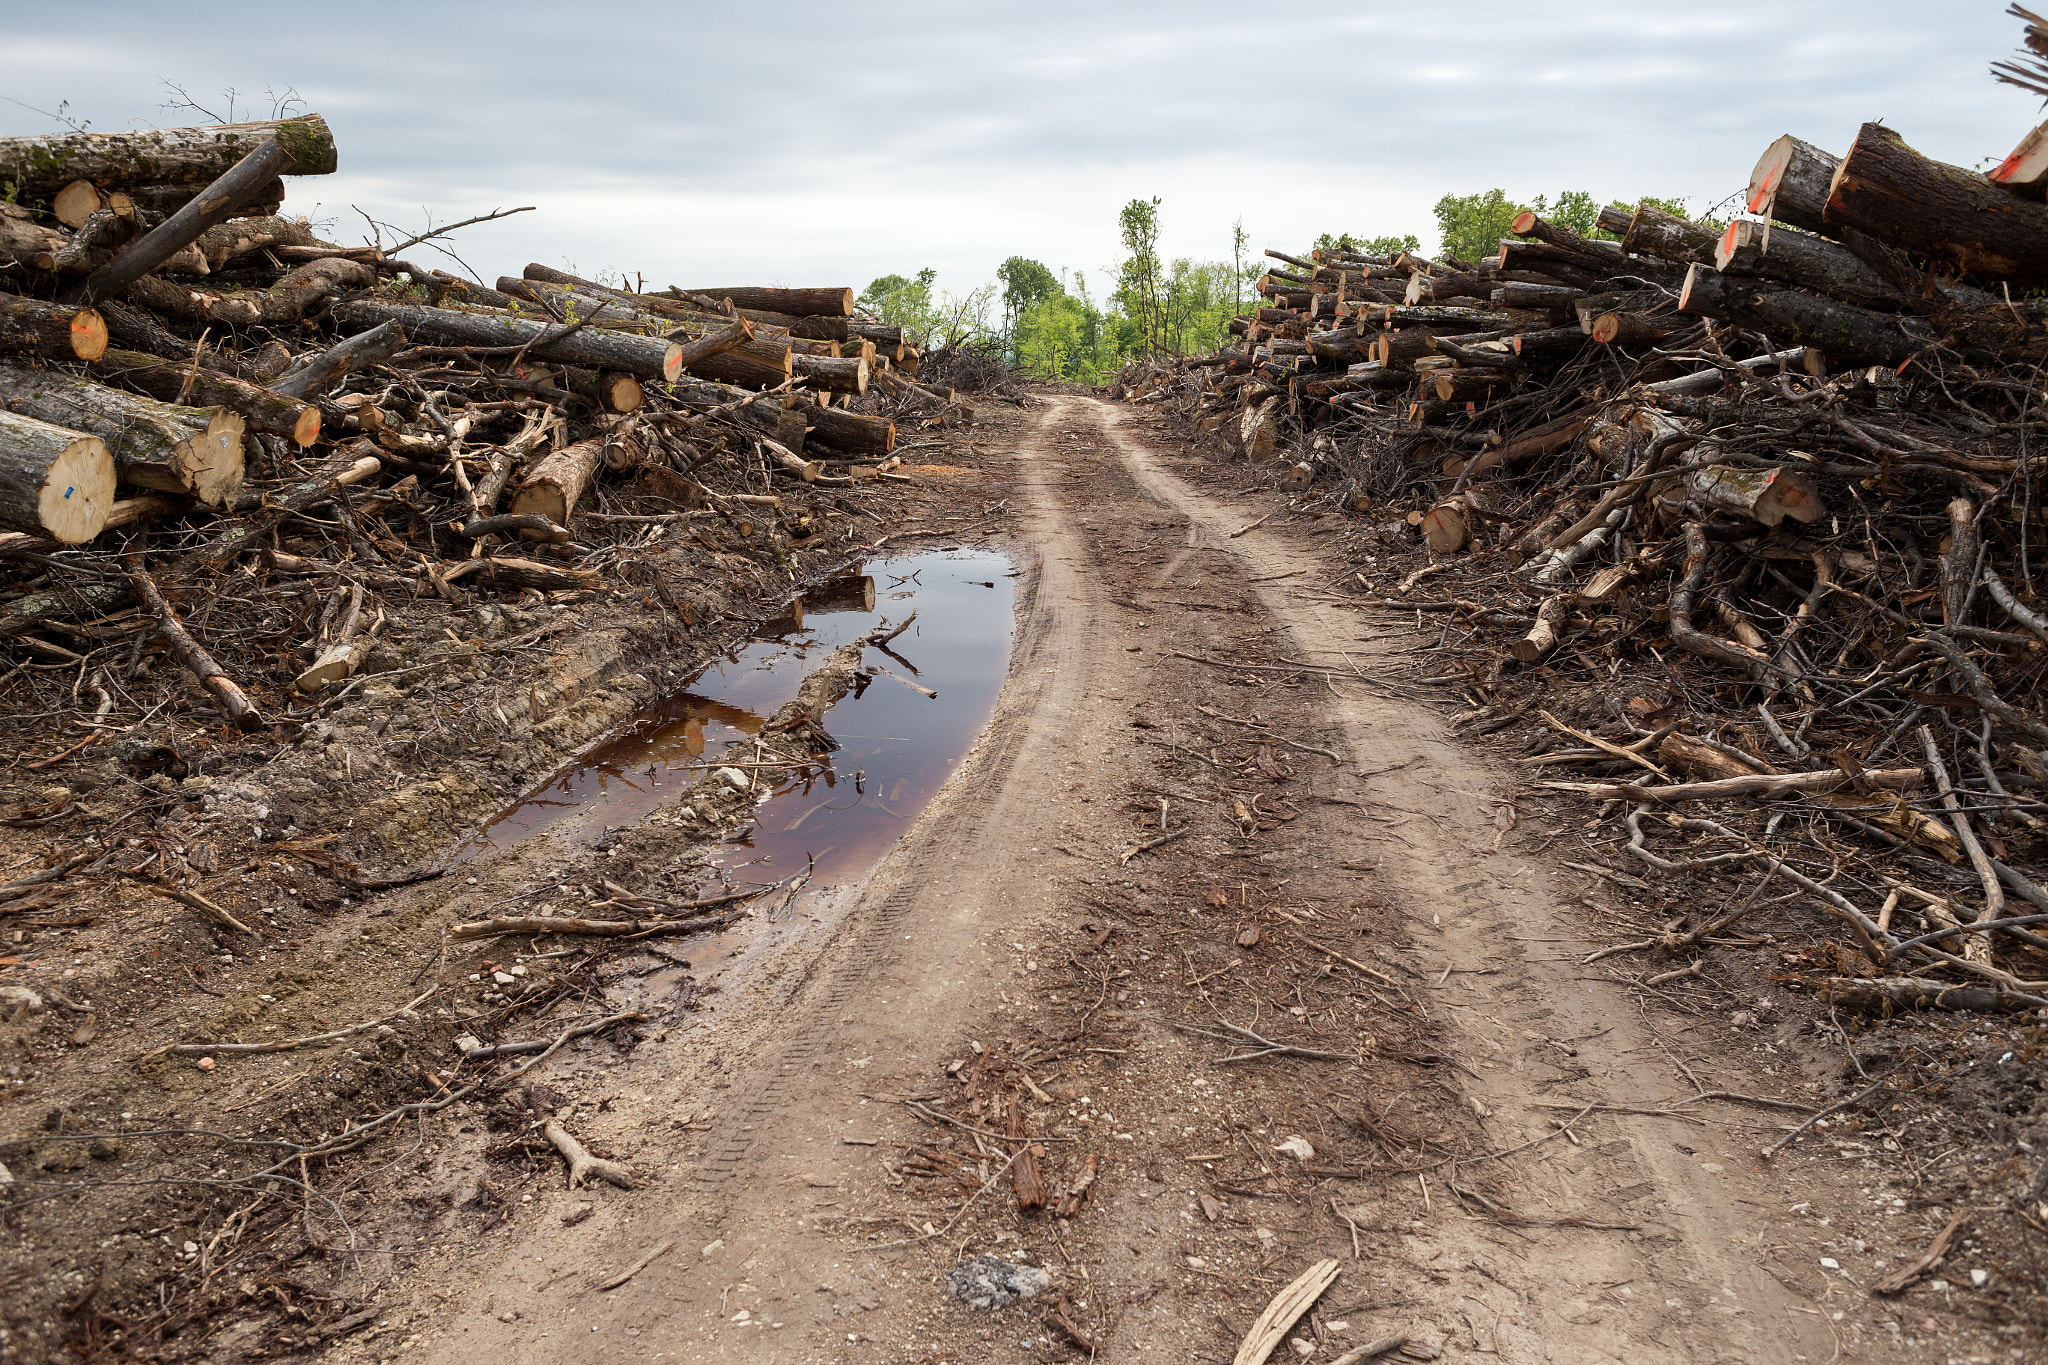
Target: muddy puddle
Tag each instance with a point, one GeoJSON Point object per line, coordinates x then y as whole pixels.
{"type": "Point", "coordinates": [898, 746]}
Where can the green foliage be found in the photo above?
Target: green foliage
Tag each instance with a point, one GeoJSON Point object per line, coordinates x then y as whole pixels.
{"type": "Point", "coordinates": [1470, 226]}
{"type": "Point", "coordinates": [1574, 209]}
{"type": "Point", "coordinates": [901, 302]}
{"type": "Point", "coordinates": [1369, 246]}
{"type": "Point", "coordinates": [1025, 283]}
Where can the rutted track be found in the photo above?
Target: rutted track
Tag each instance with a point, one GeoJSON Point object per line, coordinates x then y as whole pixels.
{"type": "Point", "coordinates": [866, 1014]}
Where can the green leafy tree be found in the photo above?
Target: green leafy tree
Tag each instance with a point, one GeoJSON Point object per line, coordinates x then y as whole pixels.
{"type": "Point", "coordinates": [1470, 226]}
{"type": "Point", "coordinates": [1574, 209]}
{"type": "Point", "coordinates": [1140, 284]}
{"type": "Point", "coordinates": [1369, 246]}
{"type": "Point", "coordinates": [901, 302]}
{"type": "Point", "coordinates": [1025, 283]}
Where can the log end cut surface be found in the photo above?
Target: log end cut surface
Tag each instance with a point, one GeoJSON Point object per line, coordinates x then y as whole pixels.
{"type": "Point", "coordinates": [76, 492]}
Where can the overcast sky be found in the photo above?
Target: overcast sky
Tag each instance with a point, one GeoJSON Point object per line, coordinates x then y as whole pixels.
{"type": "Point", "coordinates": [813, 143]}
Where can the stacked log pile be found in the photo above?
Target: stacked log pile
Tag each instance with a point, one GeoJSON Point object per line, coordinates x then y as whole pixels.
{"type": "Point", "coordinates": [1753, 503]}
{"type": "Point", "coordinates": [195, 390]}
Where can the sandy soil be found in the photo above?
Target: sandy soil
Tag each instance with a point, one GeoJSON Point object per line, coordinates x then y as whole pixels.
{"type": "Point", "coordinates": [1510, 1153]}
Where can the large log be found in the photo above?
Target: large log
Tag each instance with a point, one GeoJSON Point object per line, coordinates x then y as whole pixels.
{"type": "Point", "coordinates": [1801, 258]}
{"type": "Point", "coordinates": [47, 331]}
{"type": "Point", "coordinates": [554, 485]}
{"type": "Point", "coordinates": [1653, 232]}
{"type": "Point", "coordinates": [54, 482]}
{"type": "Point", "coordinates": [645, 357]}
{"type": "Point", "coordinates": [196, 452]}
{"type": "Point", "coordinates": [801, 303]}
{"type": "Point", "coordinates": [1844, 333]}
{"type": "Point", "coordinates": [834, 374]}
{"type": "Point", "coordinates": [240, 236]}
{"type": "Point", "coordinates": [1790, 184]}
{"type": "Point", "coordinates": [26, 242]}
{"type": "Point", "coordinates": [40, 166]}
{"type": "Point", "coordinates": [1767, 496]}
{"type": "Point", "coordinates": [265, 412]}
{"type": "Point", "coordinates": [852, 432]}
{"type": "Point", "coordinates": [1940, 212]}
{"type": "Point", "coordinates": [285, 302]}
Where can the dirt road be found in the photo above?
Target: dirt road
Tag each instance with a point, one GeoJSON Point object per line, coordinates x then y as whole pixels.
{"type": "Point", "coordinates": [1511, 1153]}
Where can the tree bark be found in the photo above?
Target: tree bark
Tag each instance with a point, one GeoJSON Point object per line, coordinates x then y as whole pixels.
{"type": "Point", "coordinates": [1653, 232]}
{"type": "Point", "coordinates": [26, 242]}
{"type": "Point", "coordinates": [1632, 331]}
{"type": "Point", "coordinates": [43, 165]}
{"type": "Point", "coordinates": [1542, 637]}
{"type": "Point", "coordinates": [36, 330]}
{"type": "Point", "coordinates": [852, 432]}
{"type": "Point", "coordinates": [325, 370]}
{"type": "Point", "coordinates": [266, 412]}
{"type": "Point", "coordinates": [240, 236]}
{"type": "Point", "coordinates": [1801, 258]}
{"type": "Point", "coordinates": [54, 482]}
{"type": "Point", "coordinates": [196, 452]}
{"type": "Point", "coordinates": [833, 374]}
{"type": "Point", "coordinates": [1940, 212]}
{"type": "Point", "coordinates": [1790, 184]}
{"type": "Point", "coordinates": [1959, 561]}
{"type": "Point", "coordinates": [1766, 496]}
{"type": "Point", "coordinates": [285, 302]}
{"type": "Point", "coordinates": [645, 357]}
{"type": "Point", "coordinates": [801, 303]}
{"type": "Point", "coordinates": [1844, 333]}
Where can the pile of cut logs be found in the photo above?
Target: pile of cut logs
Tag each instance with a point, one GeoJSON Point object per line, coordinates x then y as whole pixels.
{"type": "Point", "coordinates": [1784, 471]}
{"type": "Point", "coordinates": [180, 361]}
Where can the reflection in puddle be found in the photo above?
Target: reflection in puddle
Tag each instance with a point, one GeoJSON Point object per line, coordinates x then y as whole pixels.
{"type": "Point", "coordinates": [897, 746]}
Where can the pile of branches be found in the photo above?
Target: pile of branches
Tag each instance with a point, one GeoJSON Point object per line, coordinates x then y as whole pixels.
{"type": "Point", "coordinates": [975, 366]}
{"type": "Point", "coordinates": [189, 383]}
{"type": "Point", "coordinates": [1787, 468]}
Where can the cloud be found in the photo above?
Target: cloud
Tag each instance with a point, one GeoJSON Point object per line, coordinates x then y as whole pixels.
{"type": "Point", "coordinates": [827, 143]}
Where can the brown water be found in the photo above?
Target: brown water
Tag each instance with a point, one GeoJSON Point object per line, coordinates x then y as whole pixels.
{"type": "Point", "coordinates": [897, 746]}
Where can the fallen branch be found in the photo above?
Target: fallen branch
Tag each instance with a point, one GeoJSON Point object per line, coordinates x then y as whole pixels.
{"type": "Point", "coordinates": [1281, 1314]}
{"type": "Point", "coordinates": [634, 1269]}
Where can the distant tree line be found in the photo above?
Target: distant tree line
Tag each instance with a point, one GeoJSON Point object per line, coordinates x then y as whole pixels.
{"type": "Point", "coordinates": [1045, 322]}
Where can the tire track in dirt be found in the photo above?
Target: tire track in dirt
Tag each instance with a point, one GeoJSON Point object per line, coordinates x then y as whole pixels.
{"type": "Point", "coordinates": [1697, 1282]}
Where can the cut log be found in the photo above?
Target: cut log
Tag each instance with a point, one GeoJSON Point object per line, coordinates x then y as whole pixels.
{"type": "Point", "coordinates": [1959, 561]}
{"type": "Point", "coordinates": [75, 203]}
{"type": "Point", "coordinates": [1653, 232]}
{"type": "Point", "coordinates": [852, 432]}
{"type": "Point", "coordinates": [2025, 172]}
{"type": "Point", "coordinates": [240, 236]}
{"type": "Point", "coordinates": [214, 205]}
{"type": "Point", "coordinates": [833, 374]}
{"type": "Point", "coordinates": [1888, 995]}
{"type": "Point", "coordinates": [521, 574]}
{"type": "Point", "coordinates": [1767, 496]}
{"type": "Point", "coordinates": [1447, 527]}
{"type": "Point", "coordinates": [801, 303]}
{"type": "Point", "coordinates": [196, 452]}
{"type": "Point", "coordinates": [557, 483]}
{"type": "Point", "coordinates": [265, 412]}
{"type": "Point", "coordinates": [1940, 212]}
{"type": "Point", "coordinates": [54, 482]}
{"type": "Point", "coordinates": [284, 302]}
{"type": "Point", "coordinates": [760, 363]}
{"type": "Point", "coordinates": [43, 165]}
{"type": "Point", "coordinates": [1790, 184]}
{"type": "Point", "coordinates": [645, 357]}
{"type": "Point", "coordinates": [48, 331]}
{"type": "Point", "coordinates": [1542, 637]}
{"type": "Point", "coordinates": [619, 393]}
{"type": "Point", "coordinates": [1844, 333]}
{"type": "Point", "coordinates": [1801, 258]}
{"type": "Point", "coordinates": [1632, 331]}
{"type": "Point", "coordinates": [326, 369]}
{"type": "Point", "coordinates": [26, 242]}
